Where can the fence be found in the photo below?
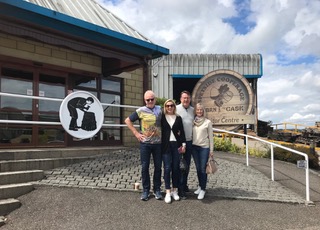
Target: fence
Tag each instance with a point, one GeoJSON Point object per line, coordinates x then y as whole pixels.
{"type": "Point", "coordinates": [272, 145]}
{"type": "Point", "coordinates": [54, 99]}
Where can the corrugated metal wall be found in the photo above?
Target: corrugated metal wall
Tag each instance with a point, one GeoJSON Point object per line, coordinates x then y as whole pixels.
{"type": "Point", "coordinates": [248, 65]}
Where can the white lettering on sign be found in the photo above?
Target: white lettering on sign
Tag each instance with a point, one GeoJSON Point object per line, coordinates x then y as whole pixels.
{"type": "Point", "coordinates": [235, 120]}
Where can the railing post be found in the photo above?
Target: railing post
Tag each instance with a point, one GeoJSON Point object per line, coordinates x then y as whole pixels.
{"type": "Point", "coordinates": [307, 179]}
{"type": "Point", "coordinates": [247, 150]}
{"type": "Point", "coordinates": [272, 163]}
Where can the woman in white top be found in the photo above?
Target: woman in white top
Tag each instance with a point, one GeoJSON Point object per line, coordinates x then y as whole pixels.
{"type": "Point", "coordinates": [202, 146]}
{"type": "Point", "coordinates": [172, 137]}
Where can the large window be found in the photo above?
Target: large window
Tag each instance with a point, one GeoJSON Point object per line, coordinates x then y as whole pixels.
{"type": "Point", "coordinates": [15, 81]}
{"type": "Point", "coordinates": [30, 82]}
{"type": "Point", "coordinates": [111, 94]}
{"type": "Point", "coordinates": [108, 91]}
{"type": "Point", "coordinates": [42, 84]}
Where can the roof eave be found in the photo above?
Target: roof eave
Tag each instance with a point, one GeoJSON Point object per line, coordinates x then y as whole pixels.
{"type": "Point", "coordinates": [42, 17]}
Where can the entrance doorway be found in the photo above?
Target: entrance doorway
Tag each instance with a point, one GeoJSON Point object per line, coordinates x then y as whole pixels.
{"type": "Point", "coordinates": [181, 84]}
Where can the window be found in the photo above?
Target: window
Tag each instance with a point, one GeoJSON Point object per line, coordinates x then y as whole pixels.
{"type": "Point", "coordinates": [108, 91]}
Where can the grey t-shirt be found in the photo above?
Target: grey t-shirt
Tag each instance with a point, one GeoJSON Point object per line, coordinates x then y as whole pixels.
{"type": "Point", "coordinates": [187, 116]}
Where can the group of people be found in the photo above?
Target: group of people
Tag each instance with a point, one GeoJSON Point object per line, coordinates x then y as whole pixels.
{"type": "Point", "coordinates": [167, 133]}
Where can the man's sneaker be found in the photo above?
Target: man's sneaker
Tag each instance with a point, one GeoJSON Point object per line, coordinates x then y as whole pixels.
{"type": "Point", "coordinates": [158, 195]}
{"type": "Point", "coordinates": [201, 194]}
{"type": "Point", "coordinates": [145, 196]}
{"type": "Point", "coordinates": [183, 195]}
{"type": "Point", "coordinates": [175, 195]}
{"type": "Point", "coordinates": [197, 191]}
{"type": "Point", "coordinates": [167, 198]}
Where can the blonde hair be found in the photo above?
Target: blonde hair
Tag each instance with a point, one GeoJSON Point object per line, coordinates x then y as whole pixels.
{"type": "Point", "coordinates": [200, 106]}
{"type": "Point", "coordinates": [174, 108]}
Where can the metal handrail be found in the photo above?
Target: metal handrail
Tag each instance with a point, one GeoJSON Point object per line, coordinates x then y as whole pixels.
{"type": "Point", "coordinates": [272, 155]}
{"type": "Point", "coordinates": [60, 100]}
{"type": "Point", "coordinates": [123, 125]}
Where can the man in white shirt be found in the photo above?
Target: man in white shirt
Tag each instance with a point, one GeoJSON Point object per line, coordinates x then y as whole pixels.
{"type": "Point", "coordinates": [186, 111]}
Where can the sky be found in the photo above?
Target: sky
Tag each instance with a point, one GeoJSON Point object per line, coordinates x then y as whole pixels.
{"type": "Point", "coordinates": [285, 32]}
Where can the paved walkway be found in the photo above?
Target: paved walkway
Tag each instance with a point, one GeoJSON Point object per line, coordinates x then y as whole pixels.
{"type": "Point", "coordinates": [121, 169]}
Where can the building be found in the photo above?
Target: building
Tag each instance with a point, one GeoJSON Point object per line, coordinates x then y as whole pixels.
{"type": "Point", "coordinates": [51, 48]}
{"type": "Point", "coordinates": [177, 72]}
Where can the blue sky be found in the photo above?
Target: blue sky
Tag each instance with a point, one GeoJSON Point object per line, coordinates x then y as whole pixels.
{"type": "Point", "coordinates": [285, 32]}
{"type": "Point", "coordinates": [241, 22]}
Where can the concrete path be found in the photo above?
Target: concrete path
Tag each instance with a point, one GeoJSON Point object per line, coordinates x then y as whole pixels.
{"type": "Point", "coordinates": [121, 169]}
{"type": "Point", "coordinates": [99, 194]}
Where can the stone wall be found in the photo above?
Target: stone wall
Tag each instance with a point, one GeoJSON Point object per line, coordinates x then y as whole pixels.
{"type": "Point", "coordinates": [27, 49]}
{"type": "Point", "coordinates": [133, 95]}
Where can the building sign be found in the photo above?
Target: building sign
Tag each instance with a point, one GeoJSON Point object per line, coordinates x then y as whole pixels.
{"type": "Point", "coordinates": [81, 114]}
{"type": "Point", "coordinates": [227, 98]}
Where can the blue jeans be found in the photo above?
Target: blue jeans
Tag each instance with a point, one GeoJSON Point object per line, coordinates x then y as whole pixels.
{"type": "Point", "coordinates": [146, 150]}
{"type": "Point", "coordinates": [187, 157]}
{"type": "Point", "coordinates": [171, 162]}
{"type": "Point", "coordinates": [200, 157]}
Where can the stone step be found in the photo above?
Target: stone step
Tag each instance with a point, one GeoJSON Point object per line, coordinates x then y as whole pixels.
{"type": "Point", "coordinates": [8, 205]}
{"type": "Point", "coordinates": [40, 164]}
{"type": "Point", "coordinates": [15, 190]}
{"type": "Point", "coordinates": [20, 176]}
{"type": "Point", "coordinates": [24, 154]}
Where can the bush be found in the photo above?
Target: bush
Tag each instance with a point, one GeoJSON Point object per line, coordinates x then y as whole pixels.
{"type": "Point", "coordinates": [226, 145]}
{"type": "Point", "coordinates": [160, 101]}
{"type": "Point", "coordinates": [284, 155]}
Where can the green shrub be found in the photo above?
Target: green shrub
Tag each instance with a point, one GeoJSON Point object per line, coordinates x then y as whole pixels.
{"type": "Point", "coordinates": [160, 101]}
{"type": "Point", "coordinates": [284, 155]}
{"type": "Point", "coordinates": [226, 145]}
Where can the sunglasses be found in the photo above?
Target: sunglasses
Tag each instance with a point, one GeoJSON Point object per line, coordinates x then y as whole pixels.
{"type": "Point", "coordinates": [151, 99]}
{"type": "Point", "coordinates": [169, 105]}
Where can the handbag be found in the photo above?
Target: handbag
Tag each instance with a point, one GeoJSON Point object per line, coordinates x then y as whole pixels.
{"type": "Point", "coordinates": [212, 166]}
{"type": "Point", "coordinates": [183, 164]}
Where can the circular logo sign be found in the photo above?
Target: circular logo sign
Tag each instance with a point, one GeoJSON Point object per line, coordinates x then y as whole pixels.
{"type": "Point", "coordinates": [227, 98]}
{"type": "Point", "coordinates": [81, 114]}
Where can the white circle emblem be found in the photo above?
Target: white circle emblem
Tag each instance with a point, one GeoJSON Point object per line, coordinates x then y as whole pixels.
{"type": "Point", "coordinates": [81, 114]}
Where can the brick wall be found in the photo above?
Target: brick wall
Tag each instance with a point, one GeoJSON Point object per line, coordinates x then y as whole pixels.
{"type": "Point", "coordinates": [36, 51]}
{"type": "Point", "coordinates": [133, 95]}
{"type": "Point", "coordinates": [39, 52]}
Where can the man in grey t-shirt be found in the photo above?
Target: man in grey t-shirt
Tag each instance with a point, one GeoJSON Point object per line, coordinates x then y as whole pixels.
{"type": "Point", "coordinates": [186, 111]}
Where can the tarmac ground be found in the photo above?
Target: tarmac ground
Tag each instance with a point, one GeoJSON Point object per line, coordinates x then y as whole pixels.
{"type": "Point", "coordinates": [99, 194]}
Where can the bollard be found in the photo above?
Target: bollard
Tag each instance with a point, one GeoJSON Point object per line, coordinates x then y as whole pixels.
{"type": "Point", "coordinates": [312, 147]}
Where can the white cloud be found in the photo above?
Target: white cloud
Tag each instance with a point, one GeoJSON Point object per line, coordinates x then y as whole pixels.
{"type": "Point", "coordinates": [311, 108]}
{"type": "Point", "coordinates": [284, 32]}
{"type": "Point", "coordinates": [291, 98]}
{"type": "Point", "coordinates": [267, 113]}
{"type": "Point", "coordinates": [306, 119]}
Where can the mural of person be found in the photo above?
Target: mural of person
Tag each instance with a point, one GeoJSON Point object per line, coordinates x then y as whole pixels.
{"type": "Point", "coordinates": [89, 121]}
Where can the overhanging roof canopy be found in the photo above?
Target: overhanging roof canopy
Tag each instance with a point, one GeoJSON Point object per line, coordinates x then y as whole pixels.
{"type": "Point", "coordinates": [83, 35]}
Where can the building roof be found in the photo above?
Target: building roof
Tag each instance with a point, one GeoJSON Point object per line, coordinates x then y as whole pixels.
{"type": "Point", "coordinates": [83, 20]}
{"type": "Point", "coordinates": [90, 11]}
{"type": "Point", "coordinates": [197, 65]}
